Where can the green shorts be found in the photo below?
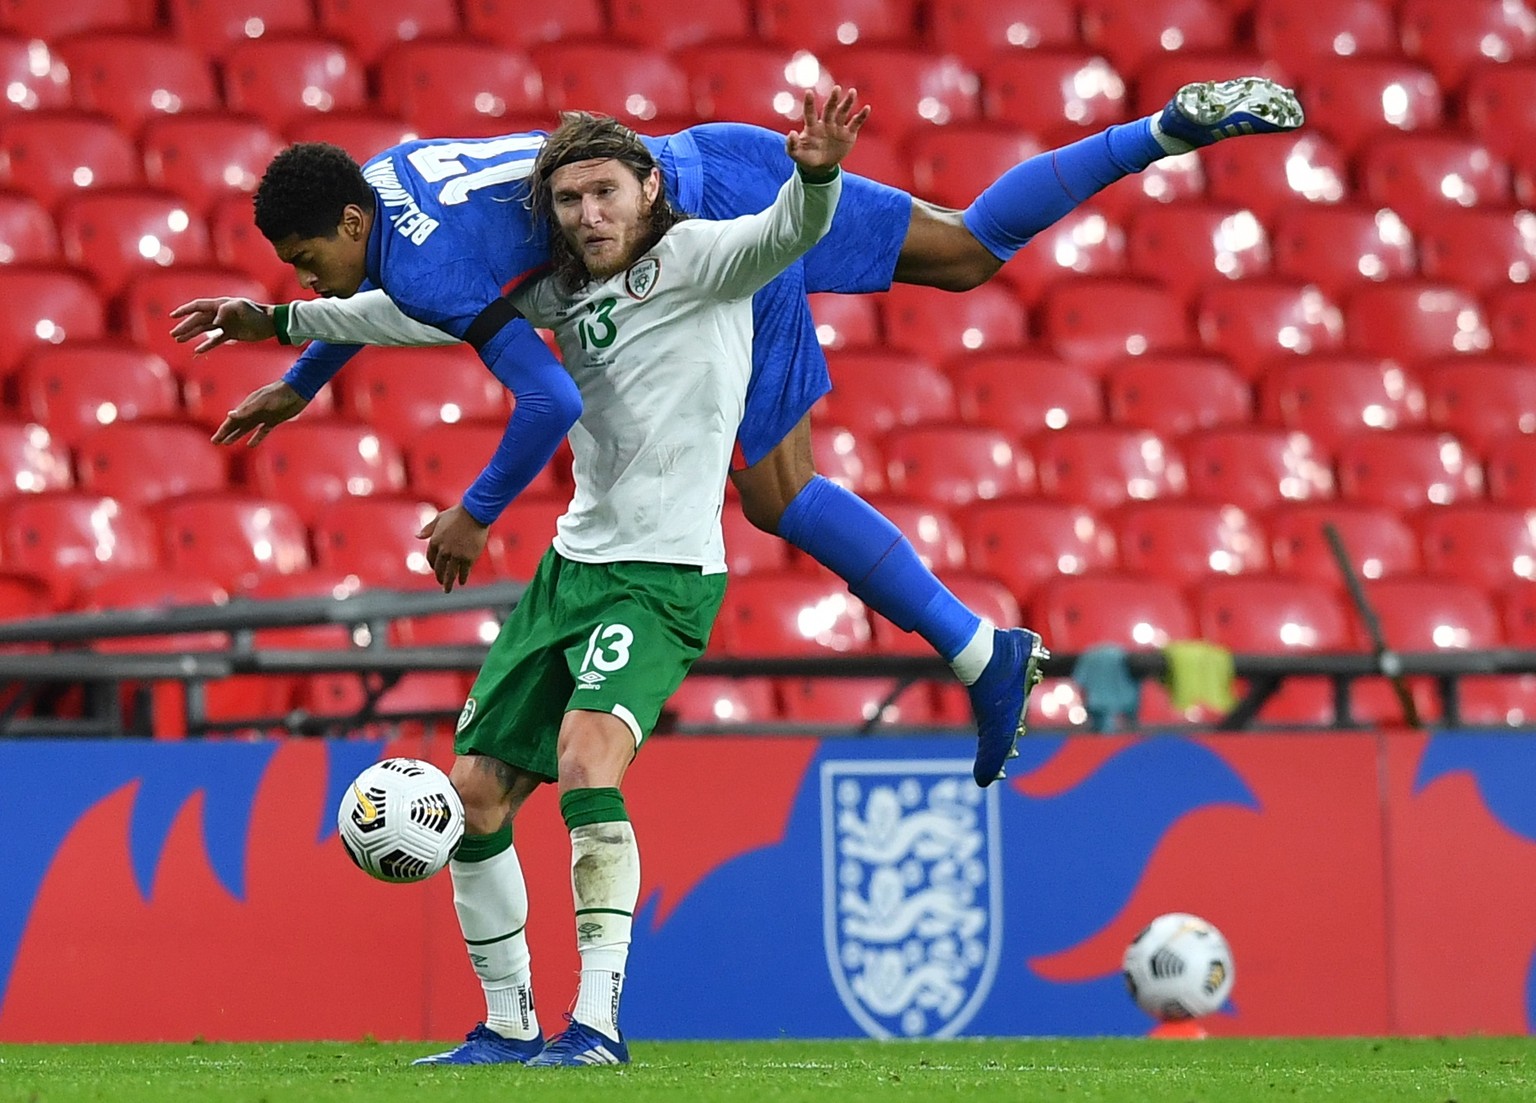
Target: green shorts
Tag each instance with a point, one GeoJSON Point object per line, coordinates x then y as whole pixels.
{"type": "Point", "coordinates": [604, 637]}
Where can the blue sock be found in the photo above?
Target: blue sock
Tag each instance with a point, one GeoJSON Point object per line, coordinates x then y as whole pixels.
{"type": "Point", "coordinates": [1035, 193]}
{"type": "Point", "coordinates": [849, 537]}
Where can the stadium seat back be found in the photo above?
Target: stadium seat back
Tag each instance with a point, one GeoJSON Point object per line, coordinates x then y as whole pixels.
{"type": "Point", "coordinates": [1101, 466]}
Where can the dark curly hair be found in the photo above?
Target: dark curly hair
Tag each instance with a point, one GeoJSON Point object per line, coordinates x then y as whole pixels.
{"type": "Point", "coordinates": [306, 188]}
{"type": "Point", "coordinates": [583, 136]}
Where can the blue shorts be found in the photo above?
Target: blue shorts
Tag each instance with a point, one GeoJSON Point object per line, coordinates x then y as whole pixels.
{"type": "Point", "coordinates": [725, 170]}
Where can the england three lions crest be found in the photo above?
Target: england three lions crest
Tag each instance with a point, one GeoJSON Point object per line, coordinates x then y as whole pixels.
{"type": "Point", "coordinates": [911, 893]}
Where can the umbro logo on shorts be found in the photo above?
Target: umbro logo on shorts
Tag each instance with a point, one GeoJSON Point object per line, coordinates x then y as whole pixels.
{"type": "Point", "coordinates": [591, 679]}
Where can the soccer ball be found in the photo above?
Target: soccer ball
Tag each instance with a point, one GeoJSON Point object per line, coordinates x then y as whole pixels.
{"type": "Point", "coordinates": [400, 820]}
{"type": "Point", "coordinates": [1179, 968]}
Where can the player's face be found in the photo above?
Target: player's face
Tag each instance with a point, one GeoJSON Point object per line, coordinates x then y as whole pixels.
{"type": "Point", "coordinates": [330, 266]}
{"type": "Point", "coordinates": [604, 212]}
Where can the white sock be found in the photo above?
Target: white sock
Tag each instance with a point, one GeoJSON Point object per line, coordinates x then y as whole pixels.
{"type": "Point", "coordinates": [491, 899]}
{"type": "Point", "coordinates": [1170, 144]}
{"type": "Point", "coordinates": [974, 656]}
{"type": "Point", "coordinates": [605, 881]}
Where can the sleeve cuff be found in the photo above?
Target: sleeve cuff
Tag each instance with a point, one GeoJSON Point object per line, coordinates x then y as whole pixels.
{"type": "Point", "coordinates": [280, 319]}
{"type": "Point", "coordinates": [819, 179]}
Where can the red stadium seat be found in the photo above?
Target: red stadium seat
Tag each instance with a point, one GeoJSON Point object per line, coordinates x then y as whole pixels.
{"type": "Point", "coordinates": [1414, 320]}
{"type": "Point", "coordinates": [1022, 393]}
{"type": "Point", "coordinates": [1259, 321]}
{"type": "Point", "coordinates": [145, 461]}
{"type": "Point", "coordinates": [1055, 95]}
{"type": "Point", "coordinates": [1480, 250]}
{"type": "Point", "coordinates": [844, 321]}
{"type": "Point", "coordinates": [151, 296]}
{"type": "Point", "coordinates": [313, 466]}
{"type": "Point", "coordinates": [955, 464]}
{"type": "Point", "coordinates": [939, 324]}
{"type": "Point", "coordinates": [1096, 321]}
{"type": "Point", "coordinates": [851, 462]}
{"type": "Point", "coordinates": [371, 27]}
{"type": "Point", "coordinates": [1509, 699]}
{"type": "Point", "coordinates": [1512, 471]}
{"type": "Point", "coordinates": [215, 26]}
{"type": "Point", "coordinates": [341, 697]}
{"type": "Point", "coordinates": [1512, 319]}
{"type": "Point", "coordinates": [930, 529]}
{"type": "Point", "coordinates": [878, 157]}
{"type": "Point", "coordinates": [1378, 542]}
{"type": "Point", "coordinates": [34, 79]}
{"type": "Point", "coordinates": [748, 548]}
{"type": "Point", "coordinates": [32, 460]}
{"type": "Point", "coordinates": [1430, 614]}
{"type": "Point", "coordinates": [526, 528]}
{"type": "Point", "coordinates": [211, 386]}
{"type": "Point", "coordinates": [41, 307]}
{"type": "Point", "coordinates": [1420, 174]}
{"type": "Point", "coordinates": [510, 23]}
{"type": "Point", "coordinates": [1103, 465]}
{"type": "Point", "coordinates": [952, 165]}
{"type": "Point", "coordinates": [1297, 33]}
{"type": "Point", "coordinates": [1133, 32]}
{"type": "Point", "coordinates": [634, 86]}
{"type": "Point", "coordinates": [1186, 246]}
{"type": "Point", "coordinates": [1452, 39]}
{"type": "Point", "coordinates": [1255, 468]}
{"type": "Point", "coordinates": [281, 79]}
{"type": "Point", "coordinates": [703, 700]}
{"type": "Point", "coordinates": [403, 392]}
{"type": "Point", "coordinates": [115, 235]}
{"type": "Point", "coordinates": [1480, 543]}
{"type": "Point", "coordinates": [470, 626]}
{"type": "Point", "coordinates": [1170, 180]}
{"type": "Point", "coordinates": [1024, 544]}
{"type": "Point", "coordinates": [69, 539]}
{"type": "Point", "coordinates": [1273, 176]}
{"type": "Point", "coordinates": [134, 78]}
{"type": "Point", "coordinates": [442, 86]}
{"type": "Point", "coordinates": [206, 158]}
{"type": "Point", "coordinates": [231, 538]}
{"type": "Point", "coordinates": [43, 20]}
{"type": "Point", "coordinates": [238, 245]}
{"type": "Point", "coordinates": [851, 702]}
{"type": "Point", "coordinates": [1499, 103]}
{"type": "Point", "coordinates": [375, 539]}
{"type": "Point", "coordinates": [1142, 613]}
{"type": "Point", "coordinates": [1481, 400]}
{"type": "Point", "coordinates": [877, 391]}
{"type": "Point", "coordinates": [1185, 542]}
{"type": "Point", "coordinates": [1083, 242]}
{"type": "Point", "coordinates": [1333, 397]}
{"type": "Point", "coordinates": [1340, 248]}
{"type": "Point", "coordinates": [445, 458]}
{"type": "Point", "coordinates": [53, 155]}
{"type": "Point", "coordinates": [790, 614]}
{"type": "Point", "coordinates": [1518, 607]}
{"type": "Point", "coordinates": [1262, 614]}
{"type": "Point", "coordinates": [362, 134]}
{"type": "Point", "coordinates": [1406, 469]}
{"type": "Point", "coordinates": [1174, 395]}
{"type": "Point", "coordinates": [82, 385]}
{"type": "Point", "coordinates": [820, 24]}
{"type": "Point", "coordinates": [914, 89]}
{"type": "Point", "coordinates": [977, 30]}
{"type": "Point", "coordinates": [1352, 99]}
{"type": "Point", "coordinates": [664, 25]}
{"type": "Point", "coordinates": [155, 588]}
{"type": "Point", "coordinates": [27, 235]}
{"type": "Point", "coordinates": [751, 82]}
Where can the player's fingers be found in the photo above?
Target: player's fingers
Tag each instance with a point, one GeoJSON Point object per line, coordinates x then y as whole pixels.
{"type": "Point", "coordinates": [259, 436]}
{"type": "Point", "coordinates": [858, 121]}
{"type": "Point", "coordinates": [464, 565]}
{"type": "Point", "coordinates": [190, 327]}
{"type": "Point", "coordinates": [230, 430]}
{"type": "Point", "coordinates": [216, 338]}
{"type": "Point", "coordinates": [196, 306]}
{"type": "Point", "coordinates": [810, 107]}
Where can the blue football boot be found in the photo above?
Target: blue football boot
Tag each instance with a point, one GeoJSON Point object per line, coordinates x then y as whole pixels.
{"type": "Point", "coordinates": [483, 1046]}
{"type": "Point", "coordinates": [999, 697]}
{"type": "Point", "coordinates": [580, 1045]}
{"type": "Point", "coordinates": [1211, 110]}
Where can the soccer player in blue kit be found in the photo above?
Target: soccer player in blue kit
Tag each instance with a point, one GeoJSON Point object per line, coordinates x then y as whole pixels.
{"type": "Point", "coordinates": [441, 226]}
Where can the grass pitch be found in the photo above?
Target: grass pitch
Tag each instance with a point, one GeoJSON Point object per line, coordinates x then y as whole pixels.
{"type": "Point", "coordinates": [1075, 1071]}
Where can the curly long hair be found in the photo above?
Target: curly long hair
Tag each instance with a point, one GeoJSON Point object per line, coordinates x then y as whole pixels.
{"type": "Point", "coordinates": [583, 136]}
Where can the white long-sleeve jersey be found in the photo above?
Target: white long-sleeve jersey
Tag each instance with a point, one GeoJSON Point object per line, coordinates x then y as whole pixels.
{"type": "Point", "coordinates": [661, 354]}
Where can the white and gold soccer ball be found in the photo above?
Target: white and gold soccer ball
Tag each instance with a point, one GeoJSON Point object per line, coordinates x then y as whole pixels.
{"type": "Point", "coordinates": [401, 820]}
{"type": "Point", "coordinates": [1179, 967]}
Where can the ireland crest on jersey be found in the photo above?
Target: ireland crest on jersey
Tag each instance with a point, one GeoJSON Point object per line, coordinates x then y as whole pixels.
{"type": "Point", "coordinates": [912, 893]}
{"type": "Point", "coordinates": [641, 278]}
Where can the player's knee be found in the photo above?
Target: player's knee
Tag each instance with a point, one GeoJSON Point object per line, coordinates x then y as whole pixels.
{"type": "Point", "coordinates": [593, 751]}
{"type": "Point", "coordinates": [484, 795]}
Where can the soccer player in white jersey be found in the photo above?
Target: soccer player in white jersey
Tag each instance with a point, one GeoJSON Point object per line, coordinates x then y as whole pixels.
{"type": "Point", "coordinates": [654, 317]}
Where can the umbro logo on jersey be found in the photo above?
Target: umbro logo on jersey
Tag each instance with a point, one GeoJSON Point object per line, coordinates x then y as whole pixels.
{"type": "Point", "coordinates": [642, 277]}
{"type": "Point", "coordinates": [591, 679]}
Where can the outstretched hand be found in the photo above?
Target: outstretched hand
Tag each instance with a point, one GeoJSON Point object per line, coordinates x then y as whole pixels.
{"type": "Point", "coordinates": [220, 321]}
{"type": "Point", "coordinates": [827, 137]}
